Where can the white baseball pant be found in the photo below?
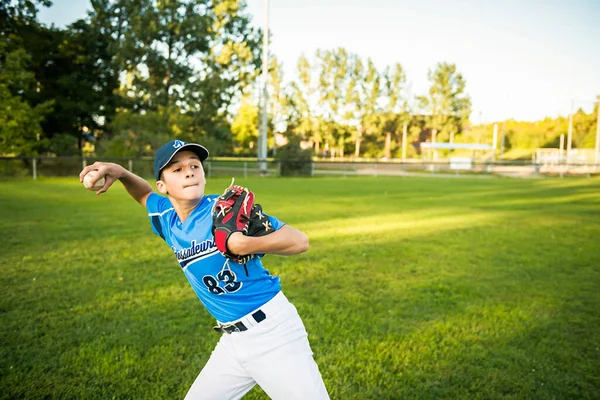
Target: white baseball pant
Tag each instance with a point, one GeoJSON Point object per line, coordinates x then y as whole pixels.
{"type": "Point", "coordinates": [275, 354]}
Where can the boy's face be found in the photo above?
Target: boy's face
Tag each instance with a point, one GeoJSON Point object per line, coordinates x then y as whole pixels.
{"type": "Point", "coordinates": [183, 178]}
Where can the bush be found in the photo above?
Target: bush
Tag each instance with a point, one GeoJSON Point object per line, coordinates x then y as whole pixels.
{"type": "Point", "coordinates": [294, 161]}
{"type": "Point", "coordinates": [64, 144]}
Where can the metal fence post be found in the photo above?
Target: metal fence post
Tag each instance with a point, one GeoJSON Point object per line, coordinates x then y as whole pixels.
{"type": "Point", "coordinates": [34, 168]}
{"type": "Point", "coordinates": [130, 165]}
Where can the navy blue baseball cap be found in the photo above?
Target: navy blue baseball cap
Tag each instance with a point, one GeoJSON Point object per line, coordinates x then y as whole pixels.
{"type": "Point", "coordinates": [168, 151]}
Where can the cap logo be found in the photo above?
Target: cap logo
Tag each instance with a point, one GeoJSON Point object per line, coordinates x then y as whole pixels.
{"type": "Point", "coordinates": [178, 144]}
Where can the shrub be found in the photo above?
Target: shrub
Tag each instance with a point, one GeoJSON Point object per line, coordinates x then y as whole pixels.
{"type": "Point", "coordinates": [294, 161]}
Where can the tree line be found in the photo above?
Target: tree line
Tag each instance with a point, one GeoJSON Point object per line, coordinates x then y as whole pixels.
{"type": "Point", "coordinates": [341, 105]}
{"type": "Point", "coordinates": [125, 78]}
{"type": "Point", "coordinates": [135, 73]}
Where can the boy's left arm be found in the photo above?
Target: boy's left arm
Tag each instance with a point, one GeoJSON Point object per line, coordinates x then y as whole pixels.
{"type": "Point", "coordinates": [285, 241]}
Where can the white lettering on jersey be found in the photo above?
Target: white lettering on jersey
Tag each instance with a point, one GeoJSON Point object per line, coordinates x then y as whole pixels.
{"type": "Point", "coordinates": [195, 251]}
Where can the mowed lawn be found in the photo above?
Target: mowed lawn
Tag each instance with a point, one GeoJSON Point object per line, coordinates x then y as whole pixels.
{"type": "Point", "coordinates": [413, 288]}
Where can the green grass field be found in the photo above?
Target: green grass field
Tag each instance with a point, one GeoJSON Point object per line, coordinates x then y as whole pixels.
{"type": "Point", "coordinates": [412, 289]}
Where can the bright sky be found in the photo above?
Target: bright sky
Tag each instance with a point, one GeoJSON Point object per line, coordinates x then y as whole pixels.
{"type": "Point", "coordinates": [521, 59]}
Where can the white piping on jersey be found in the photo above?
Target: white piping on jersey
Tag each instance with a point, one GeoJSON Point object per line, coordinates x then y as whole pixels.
{"type": "Point", "coordinates": [226, 264]}
{"type": "Point", "coordinates": [160, 214]}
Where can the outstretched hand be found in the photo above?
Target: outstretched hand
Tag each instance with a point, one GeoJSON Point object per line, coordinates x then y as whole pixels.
{"type": "Point", "coordinates": [110, 171]}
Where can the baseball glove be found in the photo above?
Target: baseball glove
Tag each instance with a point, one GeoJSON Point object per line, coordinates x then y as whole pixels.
{"type": "Point", "coordinates": [259, 224]}
{"type": "Point", "coordinates": [231, 213]}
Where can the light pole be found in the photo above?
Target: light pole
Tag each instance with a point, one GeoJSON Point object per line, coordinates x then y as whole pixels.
{"type": "Point", "coordinates": [262, 148]}
{"type": "Point", "coordinates": [597, 158]}
{"type": "Point", "coordinates": [570, 132]}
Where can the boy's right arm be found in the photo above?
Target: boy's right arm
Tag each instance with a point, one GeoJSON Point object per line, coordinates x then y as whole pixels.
{"type": "Point", "coordinates": [137, 187]}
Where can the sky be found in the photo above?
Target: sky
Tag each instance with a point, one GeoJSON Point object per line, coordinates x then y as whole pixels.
{"type": "Point", "coordinates": [525, 60]}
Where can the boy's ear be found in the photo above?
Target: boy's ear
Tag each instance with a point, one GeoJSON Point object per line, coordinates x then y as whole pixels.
{"type": "Point", "coordinates": [161, 186]}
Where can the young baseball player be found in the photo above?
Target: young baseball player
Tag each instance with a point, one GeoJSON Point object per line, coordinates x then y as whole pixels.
{"type": "Point", "coordinates": [263, 339]}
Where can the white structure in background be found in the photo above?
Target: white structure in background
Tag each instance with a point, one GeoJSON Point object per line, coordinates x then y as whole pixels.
{"type": "Point", "coordinates": [553, 156]}
{"type": "Point", "coordinates": [460, 163]}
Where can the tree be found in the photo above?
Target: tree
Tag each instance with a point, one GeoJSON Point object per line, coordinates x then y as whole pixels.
{"type": "Point", "coordinates": [68, 68]}
{"type": "Point", "coordinates": [245, 126]}
{"type": "Point", "coordinates": [15, 15]}
{"type": "Point", "coordinates": [447, 105]}
{"type": "Point", "coordinates": [195, 56]}
{"type": "Point", "coordinates": [339, 88]}
{"type": "Point", "coordinates": [20, 130]}
{"type": "Point", "coordinates": [368, 104]}
{"type": "Point", "coordinates": [395, 109]}
{"type": "Point", "coordinates": [72, 67]}
{"type": "Point", "coordinates": [137, 135]}
{"type": "Point", "coordinates": [278, 100]}
{"type": "Point", "coordinates": [302, 101]}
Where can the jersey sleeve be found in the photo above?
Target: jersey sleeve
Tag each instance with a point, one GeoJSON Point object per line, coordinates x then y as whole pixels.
{"type": "Point", "coordinates": [276, 223]}
{"type": "Point", "coordinates": [157, 207]}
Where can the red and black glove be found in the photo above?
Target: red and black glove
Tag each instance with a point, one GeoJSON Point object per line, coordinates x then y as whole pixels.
{"type": "Point", "coordinates": [259, 224]}
{"type": "Point", "coordinates": [231, 213]}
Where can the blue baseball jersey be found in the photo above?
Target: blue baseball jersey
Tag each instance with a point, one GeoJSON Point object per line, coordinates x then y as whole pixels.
{"type": "Point", "coordinates": [227, 289]}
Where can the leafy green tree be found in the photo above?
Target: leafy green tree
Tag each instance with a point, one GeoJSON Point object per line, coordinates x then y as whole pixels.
{"type": "Point", "coordinates": [278, 100]}
{"type": "Point", "coordinates": [303, 114]}
{"type": "Point", "coordinates": [447, 104]}
{"type": "Point", "coordinates": [245, 127]}
{"type": "Point", "coordinates": [339, 88]}
{"type": "Point", "coordinates": [584, 128]}
{"type": "Point", "coordinates": [370, 108]}
{"type": "Point", "coordinates": [196, 55]}
{"type": "Point", "coordinates": [137, 135]}
{"type": "Point", "coordinates": [20, 130]}
{"type": "Point", "coordinates": [395, 110]}
{"type": "Point", "coordinates": [72, 68]}
{"type": "Point", "coordinates": [68, 67]}
{"type": "Point", "coordinates": [15, 15]}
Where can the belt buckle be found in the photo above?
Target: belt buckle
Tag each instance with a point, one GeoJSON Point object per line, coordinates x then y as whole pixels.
{"type": "Point", "coordinates": [229, 328]}
{"type": "Point", "coordinates": [239, 326]}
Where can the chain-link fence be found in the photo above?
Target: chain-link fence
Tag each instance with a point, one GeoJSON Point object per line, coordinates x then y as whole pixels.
{"type": "Point", "coordinates": [35, 167]}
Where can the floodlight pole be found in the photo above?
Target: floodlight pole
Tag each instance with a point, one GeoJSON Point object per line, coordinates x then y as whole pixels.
{"type": "Point", "coordinates": [404, 129]}
{"type": "Point", "coordinates": [495, 142]}
{"type": "Point", "coordinates": [502, 142]}
{"type": "Point", "coordinates": [570, 132]}
{"type": "Point", "coordinates": [562, 147]}
{"type": "Point", "coordinates": [262, 149]}
{"type": "Point", "coordinates": [597, 158]}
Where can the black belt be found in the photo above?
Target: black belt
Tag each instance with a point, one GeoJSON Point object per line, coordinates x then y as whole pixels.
{"type": "Point", "coordinates": [239, 326]}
